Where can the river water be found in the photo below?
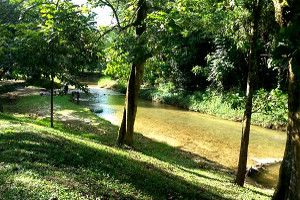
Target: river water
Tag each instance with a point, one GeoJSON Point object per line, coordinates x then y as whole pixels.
{"type": "Point", "coordinates": [210, 137]}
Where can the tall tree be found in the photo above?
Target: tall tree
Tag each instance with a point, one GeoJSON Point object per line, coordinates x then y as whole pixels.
{"type": "Point", "coordinates": [61, 45]}
{"type": "Point", "coordinates": [135, 78]}
{"type": "Point", "coordinates": [288, 16]}
{"type": "Point", "coordinates": [255, 16]}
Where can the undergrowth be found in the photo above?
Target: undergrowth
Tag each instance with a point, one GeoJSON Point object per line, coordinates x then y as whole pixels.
{"type": "Point", "coordinates": [269, 107]}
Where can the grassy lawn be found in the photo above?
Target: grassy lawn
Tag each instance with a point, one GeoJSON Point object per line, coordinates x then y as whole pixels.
{"type": "Point", "coordinates": [78, 160]}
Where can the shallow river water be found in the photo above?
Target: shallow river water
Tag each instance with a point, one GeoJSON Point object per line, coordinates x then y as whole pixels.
{"type": "Point", "coordinates": [210, 137]}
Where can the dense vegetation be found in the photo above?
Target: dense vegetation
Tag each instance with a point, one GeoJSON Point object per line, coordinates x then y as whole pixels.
{"type": "Point", "coordinates": [235, 59]}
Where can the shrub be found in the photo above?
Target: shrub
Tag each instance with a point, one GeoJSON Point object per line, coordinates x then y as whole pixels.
{"type": "Point", "coordinates": [269, 108]}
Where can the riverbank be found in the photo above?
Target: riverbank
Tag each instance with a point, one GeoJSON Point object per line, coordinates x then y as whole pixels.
{"type": "Point", "coordinates": [209, 138]}
{"type": "Point", "coordinates": [78, 160]}
{"type": "Point", "coordinates": [270, 108]}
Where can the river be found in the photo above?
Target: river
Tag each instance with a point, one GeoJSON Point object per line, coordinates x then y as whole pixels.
{"type": "Point", "coordinates": [210, 137]}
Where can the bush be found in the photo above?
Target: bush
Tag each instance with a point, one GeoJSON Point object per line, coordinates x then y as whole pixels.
{"type": "Point", "coordinates": [269, 108]}
{"type": "Point", "coordinates": [107, 82]}
{"type": "Point", "coordinates": [211, 102]}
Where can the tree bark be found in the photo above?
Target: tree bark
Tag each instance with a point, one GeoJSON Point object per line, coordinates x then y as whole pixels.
{"type": "Point", "coordinates": [127, 126]}
{"type": "Point", "coordinates": [122, 130]}
{"type": "Point", "coordinates": [283, 184]}
{"type": "Point", "coordinates": [134, 82]}
{"type": "Point", "coordinates": [288, 187]}
{"type": "Point", "coordinates": [51, 106]}
{"type": "Point", "coordinates": [253, 61]}
{"type": "Point", "coordinates": [242, 166]}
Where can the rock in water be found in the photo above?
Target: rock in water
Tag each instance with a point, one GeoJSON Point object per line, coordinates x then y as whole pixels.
{"type": "Point", "coordinates": [97, 111]}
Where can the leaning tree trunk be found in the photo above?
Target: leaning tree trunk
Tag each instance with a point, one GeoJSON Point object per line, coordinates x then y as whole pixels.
{"type": "Point", "coordinates": [129, 113]}
{"type": "Point", "coordinates": [51, 106]}
{"type": "Point", "coordinates": [135, 79]}
{"type": "Point", "coordinates": [288, 186]}
{"type": "Point", "coordinates": [253, 61]}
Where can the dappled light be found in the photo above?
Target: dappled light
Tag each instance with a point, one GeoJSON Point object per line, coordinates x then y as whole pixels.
{"type": "Point", "coordinates": [70, 158]}
{"type": "Point", "coordinates": [174, 99]}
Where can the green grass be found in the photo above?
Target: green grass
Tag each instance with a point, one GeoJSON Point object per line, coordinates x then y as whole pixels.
{"type": "Point", "coordinates": [78, 160]}
{"type": "Point", "coordinates": [108, 82]}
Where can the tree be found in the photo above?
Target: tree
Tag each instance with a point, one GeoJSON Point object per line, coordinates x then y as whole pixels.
{"type": "Point", "coordinates": [126, 130]}
{"type": "Point", "coordinates": [288, 16]}
{"type": "Point", "coordinates": [256, 9]}
{"type": "Point", "coordinates": [60, 45]}
{"type": "Point", "coordinates": [9, 13]}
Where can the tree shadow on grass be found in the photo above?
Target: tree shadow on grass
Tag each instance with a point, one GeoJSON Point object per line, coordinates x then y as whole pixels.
{"type": "Point", "coordinates": [106, 133]}
{"type": "Point", "coordinates": [186, 161]}
{"type": "Point", "coordinates": [89, 170]}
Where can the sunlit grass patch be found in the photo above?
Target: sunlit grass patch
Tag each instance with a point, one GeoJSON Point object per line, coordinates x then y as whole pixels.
{"type": "Point", "coordinates": [107, 82]}
{"type": "Point", "coordinates": [28, 185]}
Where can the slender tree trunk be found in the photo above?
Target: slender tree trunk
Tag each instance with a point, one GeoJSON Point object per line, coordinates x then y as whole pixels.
{"type": "Point", "coordinates": [134, 82]}
{"type": "Point", "coordinates": [51, 109]}
{"type": "Point", "coordinates": [242, 166]}
{"type": "Point", "coordinates": [253, 61]}
{"type": "Point", "coordinates": [127, 126]}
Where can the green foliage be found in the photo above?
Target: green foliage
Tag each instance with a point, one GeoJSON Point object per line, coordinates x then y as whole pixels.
{"type": "Point", "coordinates": [106, 82]}
{"type": "Point", "coordinates": [220, 66]}
{"type": "Point", "coordinates": [48, 38]}
{"type": "Point", "coordinates": [270, 108]}
{"type": "Point", "coordinates": [117, 65]}
{"type": "Point", "coordinates": [167, 93]}
{"type": "Point", "coordinates": [211, 102]}
{"type": "Point", "coordinates": [194, 44]}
